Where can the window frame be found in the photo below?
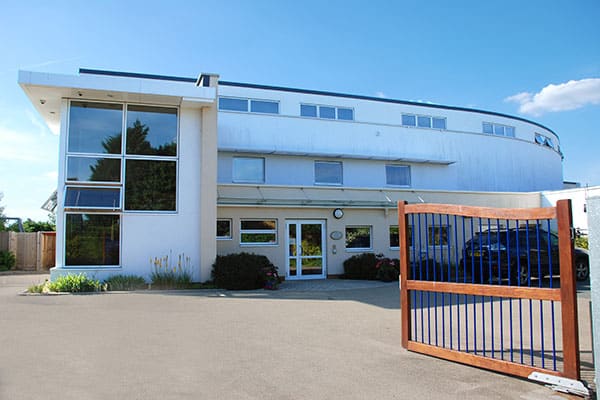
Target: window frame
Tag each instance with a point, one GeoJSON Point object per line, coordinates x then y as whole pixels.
{"type": "Point", "coordinates": [273, 231]}
{"type": "Point", "coordinates": [233, 168]}
{"type": "Point", "coordinates": [251, 101]}
{"type": "Point", "coordinates": [431, 236]}
{"type": "Point", "coordinates": [123, 156]}
{"type": "Point", "coordinates": [358, 249]}
{"type": "Point", "coordinates": [409, 228]}
{"type": "Point", "coordinates": [100, 208]}
{"type": "Point", "coordinates": [340, 163]}
{"type": "Point", "coordinates": [94, 266]}
{"type": "Point", "coordinates": [397, 166]}
{"type": "Point", "coordinates": [233, 98]}
{"type": "Point", "coordinates": [336, 112]}
{"type": "Point", "coordinates": [230, 237]}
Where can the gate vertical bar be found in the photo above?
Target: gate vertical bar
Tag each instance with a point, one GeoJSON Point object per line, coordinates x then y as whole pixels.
{"type": "Point", "coordinates": [568, 291]}
{"type": "Point", "coordinates": [404, 262]}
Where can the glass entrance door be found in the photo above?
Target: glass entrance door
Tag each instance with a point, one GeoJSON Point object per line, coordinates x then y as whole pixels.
{"type": "Point", "coordinates": [305, 247]}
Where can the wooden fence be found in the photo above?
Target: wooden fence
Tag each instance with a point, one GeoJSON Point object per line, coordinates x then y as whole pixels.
{"type": "Point", "coordinates": [33, 251]}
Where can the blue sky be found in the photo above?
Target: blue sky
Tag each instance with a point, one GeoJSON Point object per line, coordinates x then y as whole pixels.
{"type": "Point", "coordinates": [535, 59]}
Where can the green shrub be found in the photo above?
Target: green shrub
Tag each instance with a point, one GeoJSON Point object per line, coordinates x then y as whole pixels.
{"type": "Point", "coordinates": [125, 282]}
{"type": "Point", "coordinates": [167, 275]}
{"type": "Point", "coordinates": [74, 283]}
{"type": "Point", "coordinates": [581, 242]}
{"type": "Point", "coordinates": [7, 260]}
{"type": "Point", "coordinates": [241, 271]}
{"type": "Point", "coordinates": [388, 269]}
{"type": "Point", "coordinates": [361, 266]}
{"type": "Point", "coordinates": [37, 288]}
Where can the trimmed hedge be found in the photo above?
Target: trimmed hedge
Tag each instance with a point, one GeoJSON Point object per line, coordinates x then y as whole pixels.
{"type": "Point", "coordinates": [241, 271]}
{"type": "Point", "coordinates": [361, 266]}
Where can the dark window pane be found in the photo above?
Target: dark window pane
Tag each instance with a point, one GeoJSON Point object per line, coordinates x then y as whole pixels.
{"type": "Point", "coordinates": [424, 122]}
{"type": "Point", "coordinates": [346, 114]}
{"type": "Point", "coordinates": [87, 197]}
{"type": "Point", "coordinates": [270, 107]}
{"type": "Point", "coordinates": [262, 238]}
{"type": "Point", "coordinates": [327, 112]}
{"type": "Point", "coordinates": [438, 123]}
{"type": "Point", "coordinates": [259, 225]}
{"type": "Point", "coordinates": [409, 120]}
{"type": "Point", "coordinates": [152, 130]}
{"type": "Point", "coordinates": [328, 173]}
{"type": "Point", "coordinates": [150, 185]}
{"type": "Point", "coordinates": [397, 175]}
{"type": "Point", "coordinates": [95, 127]}
{"type": "Point", "coordinates": [92, 239]}
{"type": "Point", "coordinates": [394, 237]}
{"type": "Point", "coordinates": [226, 103]}
{"type": "Point", "coordinates": [224, 228]}
{"type": "Point", "coordinates": [308, 110]}
{"type": "Point", "coordinates": [91, 169]}
{"type": "Point", "coordinates": [358, 237]}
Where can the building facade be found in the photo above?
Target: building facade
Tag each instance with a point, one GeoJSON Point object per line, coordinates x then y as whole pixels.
{"type": "Point", "coordinates": [153, 165]}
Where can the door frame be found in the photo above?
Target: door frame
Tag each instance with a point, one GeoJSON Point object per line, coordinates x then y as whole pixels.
{"type": "Point", "coordinates": [299, 222]}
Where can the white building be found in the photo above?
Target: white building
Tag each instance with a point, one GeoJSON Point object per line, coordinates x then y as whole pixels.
{"type": "Point", "coordinates": [151, 165]}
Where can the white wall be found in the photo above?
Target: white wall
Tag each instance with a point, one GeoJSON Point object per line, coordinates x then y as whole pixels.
{"type": "Point", "coordinates": [480, 161]}
{"type": "Point", "coordinates": [579, 198]}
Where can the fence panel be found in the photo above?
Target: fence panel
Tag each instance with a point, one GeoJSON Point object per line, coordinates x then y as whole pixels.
{"type": "Point", "coordinates": [478, 286]}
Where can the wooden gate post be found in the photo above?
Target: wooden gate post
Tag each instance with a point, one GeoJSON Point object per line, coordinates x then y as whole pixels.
{"type": "Point", "coordinates": [404, 262]}
{"type": "Point", "coordinates": [568, 291]}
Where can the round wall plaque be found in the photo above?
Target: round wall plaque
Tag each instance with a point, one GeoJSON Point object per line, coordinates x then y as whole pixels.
{"type": "Point", "coordinates": [336, 235]}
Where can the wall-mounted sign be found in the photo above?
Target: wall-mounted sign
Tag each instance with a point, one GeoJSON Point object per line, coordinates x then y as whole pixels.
{"type": "Point", "coordinates": [336, 235]}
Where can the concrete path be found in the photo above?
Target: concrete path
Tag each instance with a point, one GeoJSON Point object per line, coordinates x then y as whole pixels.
{"type": "Point", "coordinates": [338, 342]}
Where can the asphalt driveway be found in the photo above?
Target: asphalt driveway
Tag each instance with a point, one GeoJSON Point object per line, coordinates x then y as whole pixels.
{"type": "Point", "coordinates": [288, 344]}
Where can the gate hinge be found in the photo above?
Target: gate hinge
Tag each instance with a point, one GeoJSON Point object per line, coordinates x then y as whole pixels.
{"type": "Point", "coordinates": [560, 384]}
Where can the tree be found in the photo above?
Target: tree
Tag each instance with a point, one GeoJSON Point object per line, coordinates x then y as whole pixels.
{"type": "Point", "coordinates": [2, 216]}
{"type": "Point", "coordinates": [33, 226]}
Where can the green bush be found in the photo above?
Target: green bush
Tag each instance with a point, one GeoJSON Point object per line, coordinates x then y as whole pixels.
{"type": "Point", "coordinates": [581, 242]}
{"type": "Point", "coordinates": [168, 275]}
{"type": "Point", "coordinates": [7, 260]}
{"type": "Point", "coordinates": [37, 288]}
{"type": "Point", "coordinates": [361, 266]}
{"type": "Point", "coordinates": [241, 271]}
{"type": "Point", "coordinates": [74, 283]}
{"type": "Point", "coordinates": [125, 282]}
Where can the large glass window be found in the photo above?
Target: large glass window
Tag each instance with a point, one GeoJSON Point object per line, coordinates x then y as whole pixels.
{"type": "Point", "coordinates": [92, 239]}
{"type": "Point", "coordinates": [150, 185]}
{"type": "Point", "coordinates": [358, 238]}
{"type": "Point", "coordinates": [488, 128]}
{"type": "Point", "coordinates": [263, 106]}
{"type": "Point", "coordinates": [397, 175]}
{"type": "Point", "coordinates": [328, 173]}
{"type": "Point", "coordinates": [248, 169]}
{"type": "Point", "coordinates": [93, 197]}
{"type": "Point", "coordinates": [258, 232]}
{"type": "Point", "coordinates": [95, 128]}
{"type": "Point", "coordinates": [151, 131]}
{"type": "Point", "coordinates": [93, 169]}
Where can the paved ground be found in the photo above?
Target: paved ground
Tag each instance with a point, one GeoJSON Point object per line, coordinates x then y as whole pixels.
{"type": "Point", "coordinates": [333, 340]}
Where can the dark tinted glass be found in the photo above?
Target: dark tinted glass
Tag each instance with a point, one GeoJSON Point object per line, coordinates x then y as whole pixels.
{"type": "Point", "coordinates": [91, 169]}
{"type": "Point", "coordinates": [86, 197]}
{"type": "Point", "coordinates": [327, 112]}
{"type": "Point", "coordinates": [150, 185]}
{"type": "Point", "coordinates": [226, 103]}
{"type": "Point", "coordinates": [151, 130]}
{"type": "Point", "coordinates": [92, 239]}
{"type": "Point", "coordinates": [346, 114]}
{"type": "Point", "coordinates": [308, 110]}
{"type": "Point", "coordinates": [95, 127]}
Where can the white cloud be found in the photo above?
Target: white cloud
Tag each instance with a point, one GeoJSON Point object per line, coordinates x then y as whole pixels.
{"type": "Point", "coordinates": [25, 146]}
{"type": "Point", "coordinates": [562, 97]}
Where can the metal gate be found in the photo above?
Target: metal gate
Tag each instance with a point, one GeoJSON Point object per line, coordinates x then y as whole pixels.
{"type": "Point", "coordinates": [479, 286]}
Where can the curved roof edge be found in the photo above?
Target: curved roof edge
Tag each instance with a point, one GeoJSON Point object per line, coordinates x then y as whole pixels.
{"type": "Point", "coordinates": [315, 92]}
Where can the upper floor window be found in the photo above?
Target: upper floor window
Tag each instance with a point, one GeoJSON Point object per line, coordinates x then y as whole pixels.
{"type": "Point", "coordinates": [498, 129]}
{"type": "Point", "coordinates": [544, 140]}
{"type": "Point", "coordinates": [256, 106]}
{"type": "Point", "coordinates": [326, 112]}
{"type": "Point", "coordinates": [95, 128]}
{"type": "Point", "coordinates": [328, 173]}
{"type": "Point", "coordinates": [423, 121]}
{"type": "Point", "coordinates": [397, 175]}
{"type": "Point", "coordinates": [249, 169]}
{"type": "Point", "coordinates": [151, 131]}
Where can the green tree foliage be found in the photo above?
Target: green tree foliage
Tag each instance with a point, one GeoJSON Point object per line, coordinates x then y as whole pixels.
{"type": "Point", "coordinates": [2, 216]}
{"type": "Point", "coordinates": [30, 225]}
